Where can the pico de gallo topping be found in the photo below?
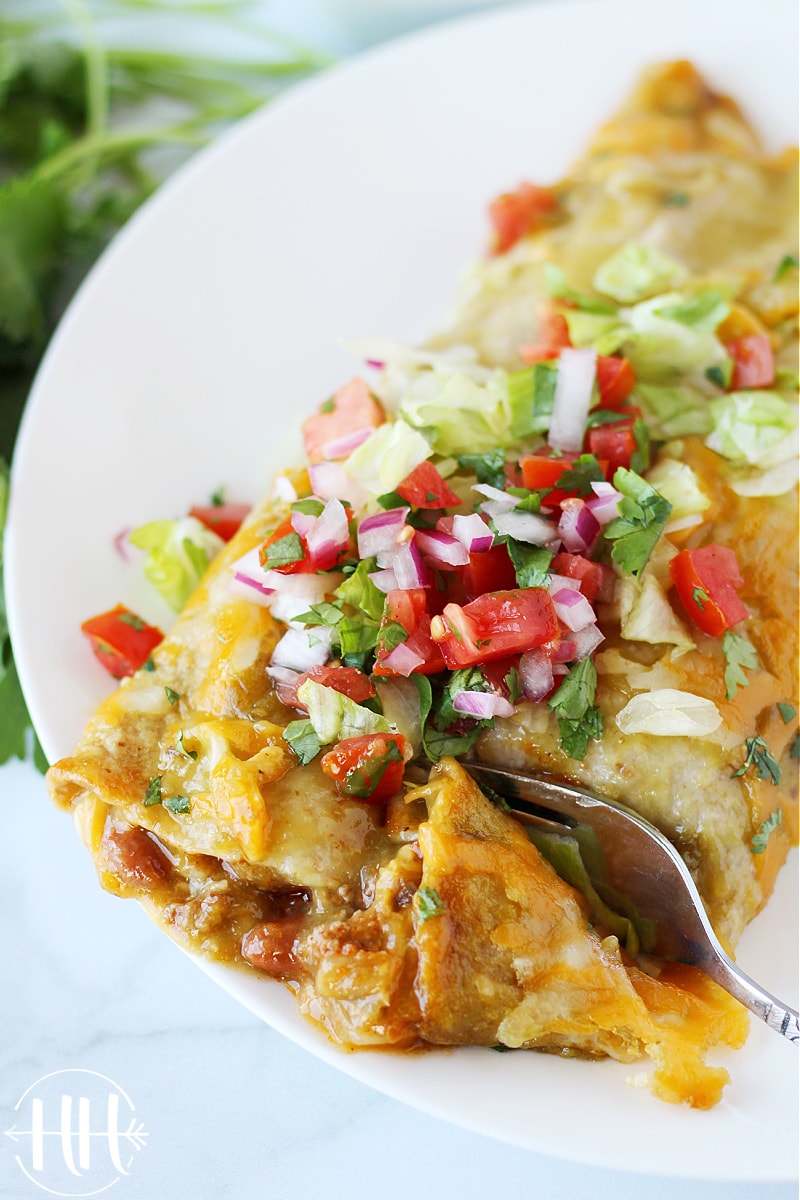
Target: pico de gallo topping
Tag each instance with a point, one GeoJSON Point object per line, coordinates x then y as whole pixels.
{"type": "Point", "coordinates": [464, 536]}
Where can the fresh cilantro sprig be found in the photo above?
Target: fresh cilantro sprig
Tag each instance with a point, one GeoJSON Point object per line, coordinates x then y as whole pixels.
{"type": "Point", "coordinates": [759, 840]}
{"type": "Point", "coordinates": [760, 758]}
{"type": "Point", "coordinates": [740, 655]}
{"type": "Point", "coordinates": [643, 513]}
{"type": "Point", "coordinates": [579, 720]}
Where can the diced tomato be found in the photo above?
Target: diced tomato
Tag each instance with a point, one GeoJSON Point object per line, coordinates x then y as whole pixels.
{"type": "Point", "coordinates": [408, 608]}
{"type": "Point", "coordinates": [424, 487]}
{"type": "Point", "coordinates": [753, 361]}
{"type": "Point", "coordinates": [496, 625]}
{"type": "Point", "coordinates": [496, 673]}
{"type": "Point", "coordinates": [615, 380]}
{"type": "Point", "coordinates": [222, 519]}
{"type": "Point", "coordinates": [515, 214]}
{"type": "Point", "coordinates": [551, 337]}
{"type": "Point", "coordinates": [347, 680]}
{"type": "Point", "coordinates": [540, 471]}
{"type": "Point", "coordinates": [350, 409]}
{"type": "Point", "coordinates": [369, 767]}
{"type": "Point", "coordinates": [706, 580]}
{"type": "Point", "coordinates": [616, 444]}
{"type": "Point", "coordinates": [490, 571]}
{"type": "Point", "coordinates": [595, 579]}
{"type": "Point", "coordinates": [121, 641]}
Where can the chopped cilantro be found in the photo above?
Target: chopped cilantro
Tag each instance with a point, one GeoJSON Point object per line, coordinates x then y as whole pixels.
{"type": "Point", "coordinates": [177, 804]}
{"type": "Point", "coordinates": [788, 712]}
{"type": "Point", "coordinates": [283, 552]}
{"type": "Point", "coordinates": [789, 262]}
{"type": "Point", "coordinates": [172, 696]}
{"type": "Point", "coordinates": [182, 748]}
{"type": "Point", "coordinates": [721, 374]}
{"type": "Point", "coordinates": [218, 497]}
{"type": "Point", "coordinates": [760, 839]}
{"type": "Point", "coordinates": [795, 750]}
{"type": "Point", "coordinates": [579, 478]}
{"type": "Point", "coordinates": [759, 757]}
{"type": "Point", "coordinates": [310, 506]}
{"type": "Point", "coordinates": [700, 596]}
{"type": "Point", "coordinates": [643, 513]}
{"type": "Point", "coordinates": [677, 199]}
{"type": "Point", "coordinates": [129, 618]}
{"type": "Point", "coordinates": [488, 468]}
{"type": "Point", "coordinates": [362, 780]}
{"type": "Point", "coordinates": [303, 739]}
{"type": "Point", "coordinates": [324, 613]}
{"type": "Point", "coordinates": [153, 793]}
{"type": "Point", "coordinates": [512, 682]}
{"type": "Point", "coordinates": [148, 664]}
{"type": "Point", "coordinates": [531, 563]}
{"type": "Point", "coordinates": [429, 903]}
{"type": "Point", "coordinates": [640, 458]}
{"type": "Point", "coordinates": [359, 590]}
{"type": "Point", "coordinates": [573, 703]}
{"type": "Point", "coordinates": [327, 406]}
{"type": "Point", "coordinates": [739, 655]}
{"type": "Point", "coordinates": [527, 501]}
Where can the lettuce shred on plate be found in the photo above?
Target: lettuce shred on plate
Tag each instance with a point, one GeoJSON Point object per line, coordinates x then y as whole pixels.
{"type": "Point", "coordinates": [559, 537]}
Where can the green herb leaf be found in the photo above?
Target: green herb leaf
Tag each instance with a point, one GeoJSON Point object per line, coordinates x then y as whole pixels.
{"type": "Point", "coordinates": [760, 839]}
{"type": "Point", "coordinates": [643, 515]}
{"type": "Point", "coordinates": [428, 903]}
{"type": "Point", "coordinates": [531, 563]}
{"type": "Point", "coordinates": [177, 804]}
{"type": "Point", "coordinates": [283, 552]}
{"type": "Point", "coordinates": [310, 506]}
{"type": "Point", "coordinates": [700, 597]}
{"type": "Point", "coordinates": [579, 478]}
{"type": "Point", "coordinates": [788, 712]}
{"type": "Point", "coordinates": [303, 739]}
{"type": "Point", "coordinates": [760, 758]}
{"type": "Point", "coordinates": [488, 468]}
{"type": "Point", "coordinates": [172, 695]}
{"type": "Point", "coordinates": [153, 793]}
{"type": "Point", "coordinates": [129, 618]}
{"type": "Point", "coordinates": [789, 262]}
{"type": "Point", "coordinates": [182, 748]}
{"type": "Point", "coordinates": [739, 654]}
{"type": "Point", "coordinates": [579, 720]}
{"type": "Point", "coordinates": [361, 781]}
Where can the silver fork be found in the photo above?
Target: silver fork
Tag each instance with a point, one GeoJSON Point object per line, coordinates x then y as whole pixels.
{"type": "Point", "coordinates": [647, 869]}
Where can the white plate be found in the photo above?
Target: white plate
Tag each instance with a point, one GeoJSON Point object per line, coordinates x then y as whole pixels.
{"type": "Point", "coordinates": [349, 208]}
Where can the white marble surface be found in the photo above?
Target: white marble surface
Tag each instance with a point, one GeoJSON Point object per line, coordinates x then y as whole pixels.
{"type": "Point", "coordinates": [232, 1110]}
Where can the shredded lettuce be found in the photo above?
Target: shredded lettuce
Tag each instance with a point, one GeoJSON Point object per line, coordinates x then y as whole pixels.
{"type": "Point", "coordinates": [334, 716]}
{"type": "Point", "coordinates": [637, 272]}
{"type": "Point", "coordinates": [386, 457]}
{"type": "Point", "coordinates": [675, 411]}
{"type": "Point", "coordinates": [461, 416]}
{"type": "Point", "coordinates": [663, 345]}
{"type": "Point", "coordinates": [668, 712]}
{"type": "Point", "coordinates": [178, 553]}
{"type": "Point", "coordinates": [703, 311]}
{"type": "Point", "coordinates": [677, 482]}
{"type": "Point", "coordinates": [752, 427]}
{"type": "Point", "coordinates": [646, 614]}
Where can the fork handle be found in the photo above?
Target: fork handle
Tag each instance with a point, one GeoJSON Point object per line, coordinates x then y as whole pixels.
{"type": "Point", "coordinates": [762, 1004]}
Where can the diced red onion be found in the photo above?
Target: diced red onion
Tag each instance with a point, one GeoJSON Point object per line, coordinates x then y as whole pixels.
{"type": "Point", "coordinates": [122, 545]}
{"type": "Point", "coordinates": [302, 649]}
{"type": "Point", "coordinates": [403, 659]}
{"type": "Point", "coordinates": [306, 584]}
{"type": "Point", "coordinates": [442, 549]}
{"type": "Point", "coordinates": [329, 480]}
{"type": "Point", "coordinates": [409, 567]}
{"type": "Point", "coordinates": [379, 532]}
{"type": "Point", "coordinates": [525, 527]}
{"type": "Point", "coordinates": [385, 581]}
{"type": "Point", "coordinates": [564, 650]}
{"type": "Point", "coordinates": [245, 588]}
{"type": "Point", "coordinates": [302, 522]}
{"type": "Point", "coordinates": [248, 571]}
{"type": "Point", "coordinates": [482, 705]}
{"type": "Point", "coordinates": [472, 531]}
{"type": "Point", "coordinates": [573, 609]}
{"type": "Point", "coordinates": [604, 505]}
{"type": "Point", "coordinates": [556, 582]}
{"type": "Point", "coordinates": [285, 681]}
{"type": "Point", "coordinates": [578, 528]}
{"type": "Point", "coordinates": [376, 363]}
{"type": "Point", "coordinates": [536, 674]}
{"type": "Point", "coordinates": [329, 536]}
{"type": "Point", "coordinates": [560, 668]}
{"type": "Point", "coordinates": [586, 641]}
{"type": "Point", "coordinates": [344, 446]}
{"type": "Point", "coordinates": [573, 395]}
{"type": "Point", "coordinates": [495, 495]}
